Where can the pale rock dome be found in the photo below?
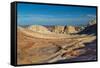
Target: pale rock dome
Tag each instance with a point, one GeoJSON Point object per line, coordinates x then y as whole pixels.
{"type": "Point", "coordinates": [39, 28]}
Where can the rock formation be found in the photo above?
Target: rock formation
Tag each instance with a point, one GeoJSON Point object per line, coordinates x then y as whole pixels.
{"type": "Point", "coordinates": [65, 29]}
{"type": "Point", "coordinates": [55, 29]}
{"type": "Point", "coordinates": [34, 49]}
{"type": "Point", "coordinates": [71, 29]}
{"type": "Point", "coordinates": [39, 28]}
{"type": "Point", "coordinates": [59, 29]}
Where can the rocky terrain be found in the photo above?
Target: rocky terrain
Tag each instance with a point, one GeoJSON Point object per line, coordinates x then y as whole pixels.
{"type": "Point", "coordinates": [39, 44]}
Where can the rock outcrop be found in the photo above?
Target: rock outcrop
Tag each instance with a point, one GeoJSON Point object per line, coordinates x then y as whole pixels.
{"type": "Point", "coordinates": [65, 29]}
{"type": "Point", "coordinates": [71, 29]}
{"type": "Point", "coordinates": [58, 29]}
{"type": "Point", "coordinates": [55, 29]}
{"type": "Point", "coordinates": [39, 28]}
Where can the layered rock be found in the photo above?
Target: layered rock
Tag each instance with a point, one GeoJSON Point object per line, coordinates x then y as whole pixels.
{"type": "Point", "coordinates": [34, 50]}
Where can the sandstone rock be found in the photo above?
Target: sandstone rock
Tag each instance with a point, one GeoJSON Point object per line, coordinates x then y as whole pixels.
{"type": "Point", "coordinates": [55, 29]}
{"type": "Point", "coordinates": [39, 28]}
{"type": "Point", "coordinates": [59, 29]}
{"type": "Point", "coordinates": [71, 29]}
{"type": "Point", "coordinates": [35, 50]}
{"type": "Point", "coordinates": [65, 29]}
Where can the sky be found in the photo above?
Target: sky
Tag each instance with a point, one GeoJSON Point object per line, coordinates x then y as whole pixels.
{"type": "Point", "coordinates": [39, 14]}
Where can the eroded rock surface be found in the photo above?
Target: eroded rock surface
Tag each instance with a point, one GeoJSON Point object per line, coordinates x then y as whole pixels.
{"type": "Point", "coordinates": [35, 47]}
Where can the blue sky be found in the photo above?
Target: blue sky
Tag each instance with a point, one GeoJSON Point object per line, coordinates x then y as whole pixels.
{"type": "Point", "coordinates": [35, 14]}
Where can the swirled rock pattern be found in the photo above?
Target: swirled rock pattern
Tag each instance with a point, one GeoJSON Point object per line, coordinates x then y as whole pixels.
{"type": "Point", "coordinates": [35, 47]}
